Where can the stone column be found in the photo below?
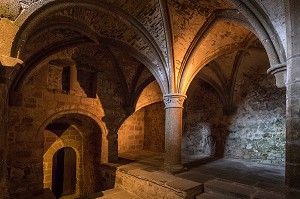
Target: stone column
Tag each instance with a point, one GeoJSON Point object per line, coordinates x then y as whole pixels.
{"type": "Point", "coordinates": [292, 175]}
{"type": "Point", "coordinates": [173, 132]}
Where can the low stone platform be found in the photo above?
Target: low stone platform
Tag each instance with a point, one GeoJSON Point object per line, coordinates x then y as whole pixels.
{"type": "Point", "coordinates": [139, 174]}
{"type": "Point", "coordinates": [252, 180]}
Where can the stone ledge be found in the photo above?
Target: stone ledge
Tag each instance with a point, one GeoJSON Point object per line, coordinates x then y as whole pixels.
{"type": "Point", "coordinates": [157, 184]}
{"type": "Point", "coordinates": [211, 196]}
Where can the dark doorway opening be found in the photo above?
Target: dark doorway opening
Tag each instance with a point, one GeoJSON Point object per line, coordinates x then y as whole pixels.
{"type": "Point", "coordinates": [64, 172]}
{"type": "Point", "coordinates": [66, 79]}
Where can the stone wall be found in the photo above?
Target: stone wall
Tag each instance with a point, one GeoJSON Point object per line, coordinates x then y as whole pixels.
{"type": "Point", "coordinates": [131, 133]}
{"type": "Point", "coordinates": [112, 100]}
{"type": "Point", "coordinates": [85, 139]}
{"type": "Point", "coordinates": [155, 127]}
{"type": "Point", "coordinates": [145, 129]}
{"type": "Point", "coordinates": [68, 138]}
{"type": "Point", "coordinates": [34, 105]}
{"type": "Point", "coordinates": [202, 114]}
{"type": "Point", "coordinates": [256, 132]}
{"type": "Point", "coordinates": [3, 140]}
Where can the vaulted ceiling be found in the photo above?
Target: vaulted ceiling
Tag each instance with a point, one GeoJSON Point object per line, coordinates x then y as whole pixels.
{"type": "Point", "coordinates": [172, 40]}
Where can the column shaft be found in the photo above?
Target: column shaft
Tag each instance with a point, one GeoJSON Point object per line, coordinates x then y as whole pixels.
{"type": "Point", "coordinates": [292, 175]}
{"type": "Point", "coordinates": [173, 136]}
{"type": "Point", "coordinates": [173, 132]}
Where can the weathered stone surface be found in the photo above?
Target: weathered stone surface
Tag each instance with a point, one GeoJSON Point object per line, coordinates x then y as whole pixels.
{"type": "Point", "coordinates": [228, 189]}
{"type": "Point", "coordinates": [9, 9]}
{"type": "Point", "coordinates": [256, 132]}
{"type": "Point", "coordinates": [8, 29]}
{"type": "Point", "coordinates": [131, 133]}
{"type": "Point", "coordinates": [144, 188]}
{"type": "Point", "coordinates": [154, 127]}
{"type": "Point", "coordinates": [112, 43]}
{"type": "Point", "coordinates": [211, 196]}
{"type": "Point", "coordinates": [267, 195]}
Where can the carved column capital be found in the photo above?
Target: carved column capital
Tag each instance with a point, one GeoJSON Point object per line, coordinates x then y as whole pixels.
{"type": "Point", "coordinates": [174, 100]}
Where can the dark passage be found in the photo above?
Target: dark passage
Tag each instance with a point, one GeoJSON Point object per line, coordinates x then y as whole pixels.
{"type": "Point", "coordinates": [64, 172]}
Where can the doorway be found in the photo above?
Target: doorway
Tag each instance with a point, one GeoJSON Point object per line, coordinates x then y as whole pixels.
{"type": "Point", "coordinates": [64, 172]}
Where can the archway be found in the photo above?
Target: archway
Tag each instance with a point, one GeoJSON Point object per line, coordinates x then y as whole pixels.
{"type": "Point", "coordinates": [234, 94]}
{"type": "Point", "coordinates": [64, 172]}
{"type": "Point", "coordinates": [68, 140]}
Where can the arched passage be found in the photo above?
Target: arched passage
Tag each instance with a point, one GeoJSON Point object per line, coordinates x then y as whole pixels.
{"type": "Point", "coordinates": [235, 109]}
{"type": "Point", "coordinates": [83, 135]}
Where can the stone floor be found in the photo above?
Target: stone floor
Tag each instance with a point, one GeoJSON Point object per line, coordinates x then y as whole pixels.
{"type": "Point", "coordinates": [203, 169]}
{"type": "Point", "coordinates": [259, 181]}
{"type": "Point", "coordinates": [262, 176]}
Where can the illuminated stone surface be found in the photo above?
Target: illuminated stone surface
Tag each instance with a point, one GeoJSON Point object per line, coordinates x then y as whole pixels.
{"type": "Point", "coordinates": [93, 76]}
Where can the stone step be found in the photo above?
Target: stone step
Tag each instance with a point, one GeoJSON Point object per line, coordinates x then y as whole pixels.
{"type": "Point", "coordinates": [116, 193]}
{"type": "Point", "coordinates": [212, 196]}
{"type": "Point", "coordinates": [232, 190]}
{"type": "Point", "coordinates": [156, 184]}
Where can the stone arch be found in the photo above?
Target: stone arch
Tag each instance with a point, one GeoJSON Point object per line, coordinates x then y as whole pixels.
{"type": "Point", "coordinates": [82, 131]}
{"type": "Point", "coordinates": [33, 15]}
{"type": "Point", "coordinates": [104, 137]}
{"type": "Point", "coordinates": [269, 36]}
{"type": "Point", "coordinates": [253, 21]}
{"type": "Point", "coordinates": [263, 27]}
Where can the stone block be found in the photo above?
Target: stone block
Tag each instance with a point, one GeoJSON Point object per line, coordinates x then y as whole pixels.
{"type": "Point", "coordinates": [27, 120]}
{"type": "Point", "coordinates": [15, 99]}
{"type": "Point", "coordinates": [267, 195]}
{"type": "Point", "coordinates": [30, 102]}
{"type": "Point", "coordinates": [191, 188]}
{"type": "Point", "coordinates": [229, 189]}
{"type": "Point", "coordinates": [138, 128]}
{"type": "Point", "coordinates": [211, 196]}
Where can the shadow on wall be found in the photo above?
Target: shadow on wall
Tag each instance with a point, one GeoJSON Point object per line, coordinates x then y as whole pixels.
{"type": "Point", "coordinates": [143, 130]}
{"type": "Point", "coordinates": [255, 132]}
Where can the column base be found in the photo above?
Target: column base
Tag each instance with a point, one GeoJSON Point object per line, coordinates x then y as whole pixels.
{"type": "Point", "coordinates": [173, 169]}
